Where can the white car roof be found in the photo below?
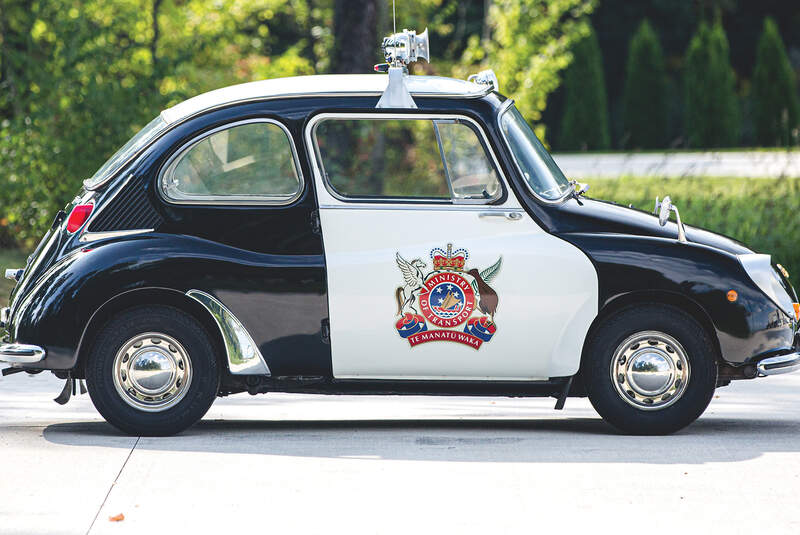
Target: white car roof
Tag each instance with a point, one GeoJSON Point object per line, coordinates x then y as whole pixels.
{"type": "Point", "coordinates": [324, 84]}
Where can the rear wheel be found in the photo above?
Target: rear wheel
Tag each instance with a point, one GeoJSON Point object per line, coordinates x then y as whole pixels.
{"type": "Point", "coordinates": [152, 371]}
{"type": "Point", "coordinates": [650, 369]}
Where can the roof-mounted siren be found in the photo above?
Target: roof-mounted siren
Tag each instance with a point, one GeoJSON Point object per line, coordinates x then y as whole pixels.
{"type": "Point", "coordinates": [401, 49]}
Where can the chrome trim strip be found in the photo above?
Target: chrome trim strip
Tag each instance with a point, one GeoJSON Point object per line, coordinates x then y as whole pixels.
{"type": "Point", "coordinates": [94, 236]}
{"type": "Point", "coordinates": [478, 208]}
{"type": "Point", "coordinates": [21, 353]}
{"type": "Point", "coordinates": [780, 364]}
{"type": "Point", "coordinates": [503, 109]}
{"type": "Point", "coordinates": [311, 149]}
{"type": "Point", "coordinates": [242, 353]}
{"type": "Point", "coordinates": [261, 200]}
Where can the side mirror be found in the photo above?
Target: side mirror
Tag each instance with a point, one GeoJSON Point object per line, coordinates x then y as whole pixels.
{"type": "Point", "coordinates": [663, 208]}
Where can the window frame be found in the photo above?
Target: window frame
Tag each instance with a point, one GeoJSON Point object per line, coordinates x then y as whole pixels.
{"type": "Point", "coordinates": [507, 105]}
{"type": "Point", "coordinates": [241, 200]}
{"type": "Point", "coordinates": [312, 148]}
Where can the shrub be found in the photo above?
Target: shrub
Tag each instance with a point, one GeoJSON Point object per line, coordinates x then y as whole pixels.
{"type": "Point", "coordinates": [777, 112]}
{"type": "Point", "coordinates": [645, 104]}
{"type": "Point", "coordinates": [712, 107]}
{"type": "Point", "coordinates": [585, 122]}
{"type": "Point", "coordinates": [759, 212]}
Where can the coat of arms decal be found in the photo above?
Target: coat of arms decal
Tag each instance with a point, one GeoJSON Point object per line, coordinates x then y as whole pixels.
{"type": "Point", "coordinates": [448, 303]}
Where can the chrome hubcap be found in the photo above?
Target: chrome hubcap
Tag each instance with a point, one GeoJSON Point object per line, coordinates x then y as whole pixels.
{"type": "Point", "coordinates": [152, 372]}
{"type": "Point", "coordinates": [650, 370]}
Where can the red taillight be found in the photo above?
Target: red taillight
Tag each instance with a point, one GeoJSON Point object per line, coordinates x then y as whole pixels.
{"type": "Point", "coordinates": [78, 216]}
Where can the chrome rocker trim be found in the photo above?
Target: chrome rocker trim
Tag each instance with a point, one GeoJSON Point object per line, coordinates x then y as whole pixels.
{"type": "Point", "coordinates": [780, 364]}
{"type": "Point", "coordinates": [21, 354]}
{"type": "Point", "coordinates": [242, 353]}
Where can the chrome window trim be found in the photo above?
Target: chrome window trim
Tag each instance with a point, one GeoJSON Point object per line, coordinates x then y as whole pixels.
{"type": "Point", "coordinates": [235, 337]}
{"type": "Point", "coordinates": [227, 200]}
{"type": "Point", "coordinates": [503, 109]}
{"type": "Point", "coordinates": [316, 159]}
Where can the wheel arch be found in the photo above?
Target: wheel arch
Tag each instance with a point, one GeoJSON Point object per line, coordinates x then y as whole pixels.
{"type": "Point", "coordinates": [147, 296]}
{"type": "Point", "coordinates": [654, 297]}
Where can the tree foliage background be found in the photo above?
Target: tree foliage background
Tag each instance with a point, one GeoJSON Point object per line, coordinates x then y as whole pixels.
{"type": "Point", "coordinates": [79, 77]}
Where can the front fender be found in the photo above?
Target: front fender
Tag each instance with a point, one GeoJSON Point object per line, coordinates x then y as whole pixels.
{"type": "Point", "coordinates": [55, 311]}
{"type": "Point", "coordinates": [746, 329]}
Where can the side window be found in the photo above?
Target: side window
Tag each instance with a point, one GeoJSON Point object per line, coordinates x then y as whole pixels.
{"type": "Point", "coordinates": [405, 159]}
{"type": "Point", "coordinates": [248, 162]}
{"type": "Point", "coordinates": [471, 173]}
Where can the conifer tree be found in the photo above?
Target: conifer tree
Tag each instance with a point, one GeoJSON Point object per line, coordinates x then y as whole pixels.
{"type": "Point", "coordinates": [645, 104]}
{"type": "Point", "coordinates": [711, 103]}
{"type": "Point", "coordinates": [776, 108]}
{"type": "Point", "coordinates": [585, 122]}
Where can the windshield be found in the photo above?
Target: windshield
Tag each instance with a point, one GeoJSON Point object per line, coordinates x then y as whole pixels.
{"type": "Point", "coordinates": [535, 163]}
{"type": "Point", "coordinates": [145, 135]}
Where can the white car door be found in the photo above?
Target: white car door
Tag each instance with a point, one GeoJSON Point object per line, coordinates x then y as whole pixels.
{"type": "Point", "coordinates": [435, 271]}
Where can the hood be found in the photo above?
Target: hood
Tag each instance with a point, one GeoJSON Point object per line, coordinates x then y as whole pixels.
{"type": "Point", "coordinates": [603, 217]}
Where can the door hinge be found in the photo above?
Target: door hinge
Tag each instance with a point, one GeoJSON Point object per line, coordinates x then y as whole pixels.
{"type": "Point", "coordinates": [326, 331]}
{"type": "Point", "coordinates": [316, 227]}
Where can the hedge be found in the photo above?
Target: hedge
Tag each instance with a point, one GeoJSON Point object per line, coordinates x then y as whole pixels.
{"type": "Point", "coordinates": [760, 212]}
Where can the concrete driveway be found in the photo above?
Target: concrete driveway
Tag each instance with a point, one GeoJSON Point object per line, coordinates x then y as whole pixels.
{"type": "Point", "coordinates": [314, 464]}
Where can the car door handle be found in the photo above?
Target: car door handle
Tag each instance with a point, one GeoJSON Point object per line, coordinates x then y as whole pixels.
{"type": "Point", "coordinates": [513, 216]}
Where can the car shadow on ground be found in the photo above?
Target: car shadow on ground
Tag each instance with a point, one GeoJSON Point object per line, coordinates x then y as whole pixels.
{"type": "Point", "coordinates": [578, 440]}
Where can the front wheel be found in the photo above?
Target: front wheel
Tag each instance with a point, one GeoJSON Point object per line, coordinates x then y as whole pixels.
{"type": "Point", "coordinates": [152, 371]}
{"type": "Point", "coordinates": [650, 370]}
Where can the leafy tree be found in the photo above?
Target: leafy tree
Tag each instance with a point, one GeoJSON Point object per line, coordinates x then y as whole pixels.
{"type": "Point", "coordinates": [711, 103]}
{"type": "Point", "coordinates": [79, 77]}
{"type": "Point", "coordinates": [585, 122]}
{"type": "Point", "coordinates": [645, 111]}
{"type": "Point", "coordinates": [527, 43]}
{"type": "Point", "coordinates": [777, 112]}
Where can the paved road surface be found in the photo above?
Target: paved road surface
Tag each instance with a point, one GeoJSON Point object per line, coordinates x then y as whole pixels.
{"type": "Point", "coordinates": [764, 164]}
{"type": "Point", "coordinates": [314, 464]}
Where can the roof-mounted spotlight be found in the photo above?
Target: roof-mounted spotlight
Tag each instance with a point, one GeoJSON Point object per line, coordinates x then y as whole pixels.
{"type": "Point", "coordinates": [406, 47]}
{"type": "Point", "coordinates": [400, 50]}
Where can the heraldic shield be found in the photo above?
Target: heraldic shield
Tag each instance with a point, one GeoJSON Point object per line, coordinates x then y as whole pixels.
{"type": "Point", "coordinates": [449, 303]}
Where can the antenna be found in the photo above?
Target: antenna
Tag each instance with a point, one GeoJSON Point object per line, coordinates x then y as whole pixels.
{"type": "Point", "coordinates": [394, 19]}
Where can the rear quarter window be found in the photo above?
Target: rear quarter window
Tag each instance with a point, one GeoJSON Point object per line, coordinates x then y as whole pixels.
{"type": "Point", "coordinates": [250, 162]}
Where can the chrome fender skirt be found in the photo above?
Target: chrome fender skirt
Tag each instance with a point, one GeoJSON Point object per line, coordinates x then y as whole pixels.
{"type": "Point", "coordinates": [242, 353]}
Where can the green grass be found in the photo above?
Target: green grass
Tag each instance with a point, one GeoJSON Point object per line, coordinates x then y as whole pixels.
{"type": "Point", "coordinates": [9, 258]}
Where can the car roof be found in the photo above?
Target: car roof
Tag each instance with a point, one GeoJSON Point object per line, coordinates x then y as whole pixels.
{"type": "Point", "coordinates": [321, 85]}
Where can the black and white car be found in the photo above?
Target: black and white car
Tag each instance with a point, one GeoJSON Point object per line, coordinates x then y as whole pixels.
{"type": "Point", "coordinates": [354, 234]}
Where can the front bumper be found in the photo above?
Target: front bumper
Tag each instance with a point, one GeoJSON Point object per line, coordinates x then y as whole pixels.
{"type": "Point", "coordinates": [16, 354]}
{"type": "Point", "coordinates": [780, 364]}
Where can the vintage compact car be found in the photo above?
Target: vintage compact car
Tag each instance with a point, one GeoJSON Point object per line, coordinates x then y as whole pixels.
{"type": "Point", "coordinates": [374, 234]}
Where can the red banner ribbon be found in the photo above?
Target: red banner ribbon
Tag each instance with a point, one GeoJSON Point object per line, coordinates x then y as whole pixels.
{"type": "Point", "coordinates": [445, 336]}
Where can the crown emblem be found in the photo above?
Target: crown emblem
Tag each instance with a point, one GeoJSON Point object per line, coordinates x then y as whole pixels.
{"type": "Point", "coordinates": [449, 260]}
